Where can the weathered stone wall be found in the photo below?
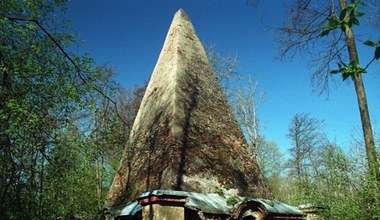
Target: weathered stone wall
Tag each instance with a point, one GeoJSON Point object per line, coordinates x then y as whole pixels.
{"type": "Point", "coordinates": [161, 212]}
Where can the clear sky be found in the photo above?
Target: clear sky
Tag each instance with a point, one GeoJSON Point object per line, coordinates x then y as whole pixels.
{"type": "Point", "coordinates": [128, 35]}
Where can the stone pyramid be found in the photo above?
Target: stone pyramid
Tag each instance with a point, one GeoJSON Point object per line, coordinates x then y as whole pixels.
{"type": "Point", "coordinates": [185, 136]}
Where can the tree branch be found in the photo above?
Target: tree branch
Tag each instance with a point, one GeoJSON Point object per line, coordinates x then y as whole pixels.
{"type": "Point", "coordinates": [76, 67]}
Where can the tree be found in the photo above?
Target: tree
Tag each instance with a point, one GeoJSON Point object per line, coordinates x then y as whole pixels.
{"type": "Point", "coordinates": [46, 95]}
{"type": "Point", "coordinates": [323, 31]}
{"type": "Point", "coordinates": [270, 159]}
{"type": "Point", "coordinates": [307, 138]}
{"type": "Point", "coordinates": [329, 177]}
{"type": "Point", "coordinates": [246, 101]}
{"type": "Point", "coordinates": [341, 186]}
{"type": "Point", "coordinates": [224, 68]}
{"type": "Point", "coordinates": [109, 136]}
{"type": "Point", "coordinates": [245, 98]}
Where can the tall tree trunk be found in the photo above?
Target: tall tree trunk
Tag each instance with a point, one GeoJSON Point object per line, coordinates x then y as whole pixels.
{"type": "Point", "coordinates": [373, 162]}
{"type": "Point", "coordinates": [298, 156]}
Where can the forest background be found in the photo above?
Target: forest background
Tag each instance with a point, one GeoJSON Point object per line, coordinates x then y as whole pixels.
{"type": "Point", "coordinates": [65, 117]}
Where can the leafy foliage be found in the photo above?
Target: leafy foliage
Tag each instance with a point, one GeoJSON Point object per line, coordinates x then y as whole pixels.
{"type": "Point", "coordinates": [219, 191]}
{"type": "Point", "coordinates": [376, 45]}
{"type": "Point", "coordinates": [348, 70]}
{"type": "Point", "coordinates": [59, 134]}
{"type": "Point", "coordinates": [232, 200]}
{"type": "Point", "coordinates": [348, 16]}
{"type": "Point", "coordinates": [337, 182]}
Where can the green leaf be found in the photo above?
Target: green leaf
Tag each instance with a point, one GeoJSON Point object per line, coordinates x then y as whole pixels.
{"type": "Point", "coordinates": [333, 22]}
{"type": "Point", "coordinates": [355, 21]}
{"type": "Point", "coordinates": [345, 76]}
{"type": "Point", "coordinates": [345, 25]}
{"type": "Point", "coordinates": [369, 43]}
{"type": "Point", "coordinates": [348, 24]}
{"type": "Point", "coordinates": [359, 14]}
{"type": "Point", "coordinates": [377, 53]}
{"type": "Point", "coordinates": [325, 32]}
{"type": "Point", "coordinates": [232, 200]}
{"type": "Point", "coordinates": [343, 14]}
{"type": "Point", "coordinates": [359, 4]}
{"type": "Point", "coordinates": [348, 70]}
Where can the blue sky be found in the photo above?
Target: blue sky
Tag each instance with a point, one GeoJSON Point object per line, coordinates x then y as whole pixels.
{"type": "Point", "coordinates": [128, 35]}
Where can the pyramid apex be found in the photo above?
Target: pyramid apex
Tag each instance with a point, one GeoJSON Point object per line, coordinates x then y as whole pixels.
{"type": "Point", "coordinates": [181, 14]}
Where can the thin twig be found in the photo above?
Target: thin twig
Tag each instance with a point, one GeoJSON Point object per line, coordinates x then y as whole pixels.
{"type": "Point", "coordinates": [77, 69]}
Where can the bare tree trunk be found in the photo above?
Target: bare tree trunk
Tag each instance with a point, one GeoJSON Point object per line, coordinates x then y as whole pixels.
{"type": "Point", "coordinates": [373, 162]}
{"type": "Point", "coordinates": [298, 155]}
